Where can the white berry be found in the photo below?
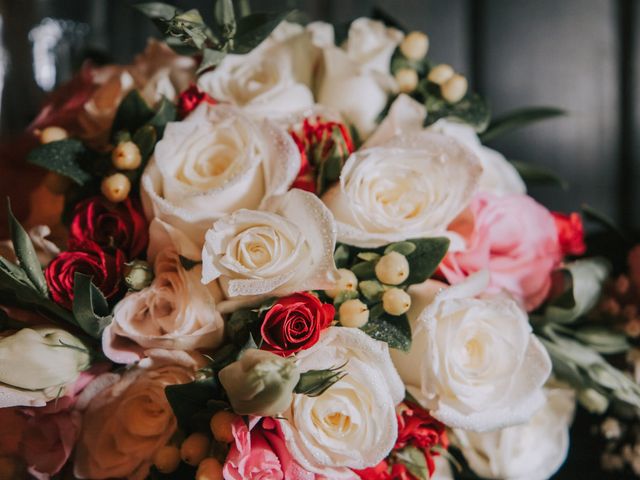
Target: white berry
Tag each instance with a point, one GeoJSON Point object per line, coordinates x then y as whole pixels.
{"type": "Point", "coordinates": [415, 46]}
{"type": "Point", "coordinates": [126, 156]}
{"type": "Point", "coordinates": [353, 313]}
{"type": "Point", "coordinates": [347, 281]}
{"type": "Point", "coordinates": [454, 89]}
{"type": "Point", "coordinates": [407, 80]}
{"type": "Point", "coordinates": [116, 187]}
{"type": "Point", "coordinates": [392, 268]}
{"type": "Point", "coordinates": [396, 301]}
{"type": "Point", "coordinates": [440, 73]}
{"type": "Point", "coordinates": [167, 459]}
{"type": "Point", "coordinates": [195, 448]}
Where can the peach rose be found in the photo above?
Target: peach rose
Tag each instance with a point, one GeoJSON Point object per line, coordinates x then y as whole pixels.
{"type": "Point", "coordinates": [127, 416]}
{"type": "Point", "coordinates": [513, 237]}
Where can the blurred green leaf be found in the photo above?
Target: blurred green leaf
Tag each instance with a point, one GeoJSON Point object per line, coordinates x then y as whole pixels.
{"type": "Point", "coordinates": [132, 113]}
{"type": "Point", "coordinates": [254, 28]}
{"type": "Point", "coordinates": [538, 175]}
{"type": "Point", "coordinates": [518, 119]}
{"type": "Point", "coordinates": [394, 330]}
{"type": "Point", "coordinates": [90, 308]}
{"type": "Point", "coordinates": [62, 157]}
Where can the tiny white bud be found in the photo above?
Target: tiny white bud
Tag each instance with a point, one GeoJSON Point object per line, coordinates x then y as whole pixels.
{"type": "Point", "coordinates": [407, 80]}
{"type": "Point", "coordinates": [116, 187]}
{"type": "Point", "coordinates": [353, 313]}
{"type": "Point", "coordinates": [53, 134]}
{"type": "Point", "coordinates": [415, 46]}
{"type": "Point", "coordinates": [347, 281]}
{"type": "Point", "coordinates": [126, 156]}
{"type": "Point", "coordinates": [454, 89]}
{"type": "Point", "coordinates": [440, 73]}
{"type": "Point", "coordinates": [396, 301]}
{"type": "Point", "coordinates": [392, 268]}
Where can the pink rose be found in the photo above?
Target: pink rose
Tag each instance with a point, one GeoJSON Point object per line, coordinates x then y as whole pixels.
{"type": "Point", "coordinates": [513, 237]}
{"type": "Point", "coordinates": [260, 453]}
{"type": "Point", "coordinates": [127, 417]}
{"type": "Point", "coordinates": [45, 437]}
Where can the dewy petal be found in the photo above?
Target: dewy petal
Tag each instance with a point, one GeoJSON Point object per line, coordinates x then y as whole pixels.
{"type": "Point", "coordinates": [406, 115]}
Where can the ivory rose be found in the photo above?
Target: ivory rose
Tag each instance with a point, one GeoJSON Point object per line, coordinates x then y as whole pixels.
{"type": "Point", "coordinates": [175, 312]}
{"type": "Point", "coordinates": [412, 186]}
{"type": "Point", "coordinates": [273, 79]}
{"type": "Point", "coordinates": [285, 248]}
{"type": "Point", "coordinates": [39, 364]}
{"type": "Point", "coordinates": [215, 162]}
{"type": "Point", "coordinates": [406, 115]}
{"type": "Point", "coordinates": [532, 451]}
{"type": "Point", "coordinates": [474, 362]}
{"type": "Point", "coordinates": [352, 424]}
{"type": "Point", "coordinates": [356, 79]}
{"type": "Point", "coordinates": [126, 417]}
{"type": "Point", "coordinates": [515, 239]}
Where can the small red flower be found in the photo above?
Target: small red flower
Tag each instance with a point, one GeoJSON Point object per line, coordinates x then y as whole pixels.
{"type": "Point", "coordinates": [294, 323]}
{"type": "Point", "coordinates": [119, 226]}
{"type": "Point", "coordinates": [570, 233]}
{"type": "Point", "coordinates": [319, 141]}
{"type": "Point", "coordinates": [190, 99]}
{"type": "Point", "coordinates": [104, 269]}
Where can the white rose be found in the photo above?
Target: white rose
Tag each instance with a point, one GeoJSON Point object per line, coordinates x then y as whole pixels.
{"type": "Point", "coordinates": [272, 80]}
{"type": "Point", "coordinates": [474, 362]}
{"type": "Point", "coordinates": [38, 364]}
{"type": "Point", "coordinates": [498, 175]}
{"type": "Point", "coordinates": [215, 162]}
{"type": "Point", "coordinates": [407, 116]}
{"type": "Point", "coordinates": [531, 451]}
{"type": "Point", "coordinates": [352, 424]}
{"type": "Point", "coordinates": [357, 80]}
{"type": "Point", "coordinates": [413, 186]}
{"type": "Point", "coordinates": [175, 312]}
{"type": "Point", "coordinates": [286, 248]}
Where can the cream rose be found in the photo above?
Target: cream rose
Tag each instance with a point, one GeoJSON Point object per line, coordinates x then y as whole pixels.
{"type": "Point", "coordinates": [176, 312]}
{"type": "Point", "coordinates": [273, 79]}
{"type": "Point", "coordinates": [474, 362]}
{"type": "Point", "coordinates": [127, 418]}
{"type": "Point", "coordinates": [286, 248]}
{"type": "Point", "coordinates": [413, 186]}
{"type": "Point", "coordinates": [38, 364]}
{"type": "Point", "coordinates": [215, 162]}
{"type": "Point", "coordinates": [356, 80]}
{"type": "Point", "coordinates": [407, 116]}
{"type": "Point", "coordinates": [352, 424]}
{"type": "Point", "coordinates": [531, 451]}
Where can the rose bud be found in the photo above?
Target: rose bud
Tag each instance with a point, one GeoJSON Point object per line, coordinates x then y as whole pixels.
{"type": "Point", "coordinates": [105, 271]}
{"type": "Point", "coordinates": [392, 268]}
{"type": "Point", "coordinates": [294, 323]}
{"type": "Point", "coordinates": [347, 282]}
{"type": "Point", "coordinates": [190, 99]}
{"type": "Point", "coordinates": [260, 383]}
{"type": "Point", "coordinates": [570, 233]}
{"type": "Point", "coordinates": [138, 275]}
{"type": "Point", "coordinates": [353, 313]}
{"type": "Point", "coordinates": [121, 225]}
{"type": "Point", "coordinates": [42, 358]}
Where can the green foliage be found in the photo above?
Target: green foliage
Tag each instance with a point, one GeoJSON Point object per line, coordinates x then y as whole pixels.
{"type": "Point", "coordinates": [473, 110]}
{"type": "Point", "coordinates": [413, 458]}
{"type": "Point", "coordinates": [90, 308]}
{"type": "Point", "coordinates": [536, 175]}
{"type": "Point", "coordinates": [518, 119]}
{"type": "Point", "coordinates": [132, 113]}
{"type": "Point", "coordinates": [314, 383]}
{"type": "Point", "coordinates": [394, 330]}
{"type": "Point", "coordinates": [193, 402]}
{"type": "Point", "coordinates": [64, 157]}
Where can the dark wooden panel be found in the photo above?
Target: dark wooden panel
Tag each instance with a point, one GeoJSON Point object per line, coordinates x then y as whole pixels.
{"type": "Point", "coordinates": [633, 205]}
{"type": "Point", "coordinates": [565, 54]}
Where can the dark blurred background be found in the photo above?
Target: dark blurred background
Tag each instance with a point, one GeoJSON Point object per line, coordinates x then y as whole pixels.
{"type": "Point", "coordinates": [580, 55]}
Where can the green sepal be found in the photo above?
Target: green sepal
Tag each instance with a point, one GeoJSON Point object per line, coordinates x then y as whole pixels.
{"type": "Point", "coordinates": [90, 308]}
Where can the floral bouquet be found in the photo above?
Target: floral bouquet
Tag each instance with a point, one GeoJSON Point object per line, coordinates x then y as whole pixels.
{"type": "Point", "coordinates": [288, 255]}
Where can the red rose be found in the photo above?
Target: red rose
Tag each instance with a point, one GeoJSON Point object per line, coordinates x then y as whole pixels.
{"type": "Point", "coordinates": [382, 471]}
{"type": "Point", "coordinates": [104, 269]}
{"type": "Point", "coordinates": [119, 226]}
{"type": "Point", "coordinates": [294, 323]}
{"type": "Point", "coordinates": [570, 233]}
{"type": "Point", "coordinates": [190, 99]}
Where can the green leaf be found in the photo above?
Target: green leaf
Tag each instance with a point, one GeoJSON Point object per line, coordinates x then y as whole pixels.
{"type": "Point", "coordinates": [415, 461]}
{"type": "Point", "coordinates": [602, 339]}
{"type": "Point", "coordinates": [597, 216]}
{"type": "Point", "coordinates": [225, 17]}
{"type": "Point", "coordinates": [314, 383]}
{"type": "Point", "coordinates": [61, 157]}
{"type": "Point", "coordinates": [424, 260]}
{"type": "Point", "coordinates": [403, 248]}
{"type": "Point", "coordinates": [210, 58]}
{"type": "Point", "coordinates": [341, 256]}
{"type": "Point", "coordinates": [472, 109]}
{"type": "Point", "coordinates": [364, 270]}
{"type": "Point", "coordinates": [166, 112]}
{"type": "Point", "coordinates": [90, 308]}
{"type": "Point", "coordinates": [537, 175]}
{"type": "Point", "coordinates": [394, 330]}
{"type": "Point", "coordinates": [26, 254]}
{"type": "Point", "coordinates": [145, 138]}
{"type": "Point", "coordinates": [518, 119]}
{"type": "Point", "coordinates": [132, 113]}
{"type": "Point", "coordinates": [188, 399]}
{"type": "Point", "coordinates": [254, 28]}
{"type": "Point", "coordinates": [372, 290]}
{"type": "Point", "coordinates": [241, 324]}
{"type": "Point", "coordinates": [187, 263]}
{"type": "Point", "coordinates": [157, 10]}
{"type": "Point", "coordinates": [584, 279]}
{"type": "Point", "coordinates": [368, 256]}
